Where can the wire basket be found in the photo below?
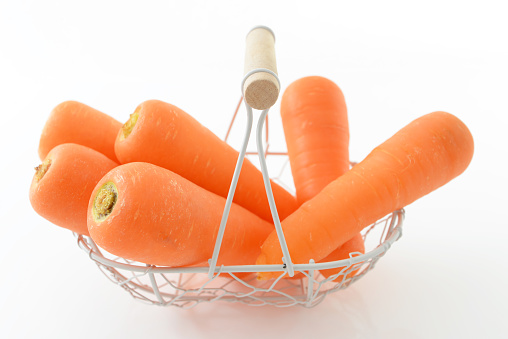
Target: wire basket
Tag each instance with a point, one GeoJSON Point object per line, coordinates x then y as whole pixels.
{"type": "Point", "coordinates": [186, 287]}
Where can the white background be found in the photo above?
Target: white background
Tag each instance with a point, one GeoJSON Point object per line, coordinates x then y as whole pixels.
{"type": "Point", "coordinates": [395, 61]}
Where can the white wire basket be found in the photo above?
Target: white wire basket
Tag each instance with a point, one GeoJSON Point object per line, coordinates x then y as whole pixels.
{"type": "Point", "coordinates": [186, 287]}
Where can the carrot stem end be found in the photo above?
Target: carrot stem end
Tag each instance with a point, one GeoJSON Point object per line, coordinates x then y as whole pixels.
{"type": "Point", "coordinates": [129, 125]}
{"type": "Point", "coordinates": [104, 201]}
{"type": "Point", "coordinates": [41, 170]}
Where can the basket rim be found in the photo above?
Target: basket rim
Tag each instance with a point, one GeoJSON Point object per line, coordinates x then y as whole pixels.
{"type": "Point", "coordinates": [394, 232]}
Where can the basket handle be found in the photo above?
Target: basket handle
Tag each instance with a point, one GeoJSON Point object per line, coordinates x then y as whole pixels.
{"type": "Point", "coordinates": [261, 86]}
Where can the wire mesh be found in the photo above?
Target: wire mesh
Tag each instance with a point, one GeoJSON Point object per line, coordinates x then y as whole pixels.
{"type": "Point", "coordinates": [176, 287]}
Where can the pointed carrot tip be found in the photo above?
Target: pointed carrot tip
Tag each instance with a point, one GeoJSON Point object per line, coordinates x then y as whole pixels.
{"type": "Point", "coordinates": [262, 276]}
{"type": "Point", "coordinates": [261, 260]}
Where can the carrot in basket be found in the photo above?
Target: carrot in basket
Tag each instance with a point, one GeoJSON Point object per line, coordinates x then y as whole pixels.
{"type": "Point", "coordinates": [314, 117]}
{"type": "Point", "coordinates": [62, 184]}
{"type": "Point", "coordinates": [353, 245]}
{"type": "Point", "coordinates": [146, 213]}
{"type": "Point", "coordinates": [421, 157]}
{"type": "Point", "coordinates": [74, 122]}
{"type": "Point", "coordinates": [164, 135]}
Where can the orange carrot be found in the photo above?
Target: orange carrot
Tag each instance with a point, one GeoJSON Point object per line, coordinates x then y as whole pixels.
{"type": "Point", "coordinates": [164, 135]}
{"type": "Point", "coordinates": [149, 214]}
{"type": "Point", "coordinates": [314, 117]}
{"type": "Point", "coordinates": [74, 122]}
{"type": "Point", "coordinates": [62, 184]}
{"type": "Point", "coordinates": [353, 245]}
{"type": "Point", "coordinates": [418, 159]}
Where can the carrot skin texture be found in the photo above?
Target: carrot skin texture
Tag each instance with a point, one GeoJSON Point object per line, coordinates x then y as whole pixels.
{"type": "Point", "coordinates": [316, 128]}
{"type": "Point", "coordinates": [168, 137]}
{"type": "Point", "coordinates": [314, 117]}
{"type": "Point", "coordinates": [160, 218]}
{"type": "Point", "coordinates": [62, 195]}
{"type": "Point", "coordinates": [74, 122]}
{"type": "Point", "coordinates": [421, 157]}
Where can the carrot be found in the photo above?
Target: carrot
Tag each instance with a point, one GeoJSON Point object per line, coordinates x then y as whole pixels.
{"type": "Point", "coordinates": [146, 213]}
{"type": "Point", "coordinates": [314, 117]}
{"type": "Point", "coordinates": [418, 159]}
{"type": "Point", "coordinates": [74, 122]}
{"type": "Point", "coordinates": [164, 135]}
{"type": "Point", "coordinates": [353, 245]}
{"type": "Point", "coordinates": [62, 184]}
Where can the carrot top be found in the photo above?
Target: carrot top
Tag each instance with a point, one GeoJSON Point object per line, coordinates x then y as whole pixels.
{"type": "Point", "coordinates": [129, 124]}
{"type": "Point", "coordinates": [41, 170]}
{"type": "Point", "coordinates": [104, 201]}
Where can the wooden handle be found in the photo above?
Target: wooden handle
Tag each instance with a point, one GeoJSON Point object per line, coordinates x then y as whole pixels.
{"type": "Point", "coordinates": [260, 90]}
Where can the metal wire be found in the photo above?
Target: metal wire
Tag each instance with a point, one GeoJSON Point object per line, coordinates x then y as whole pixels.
{"type": "Point", "coordinates": [188, 287]}
{"type": "Point", "coordinates": [231, 193]}
{"type": "Point", "coordinates": [286, 259]}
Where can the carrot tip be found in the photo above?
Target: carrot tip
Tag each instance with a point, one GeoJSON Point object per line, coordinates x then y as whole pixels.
{"type": "Point", "coordinates": [262, 276]}
{"type": "Point", "coordinates": [129, 125]}
{"type": "Point", "coordinates": [104, 201]}
{"type": "Point", "coordinates": [41, 170]}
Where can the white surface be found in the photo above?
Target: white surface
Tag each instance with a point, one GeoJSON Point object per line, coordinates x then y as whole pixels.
{"type": "Point", "coordinates": [394, 61]}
